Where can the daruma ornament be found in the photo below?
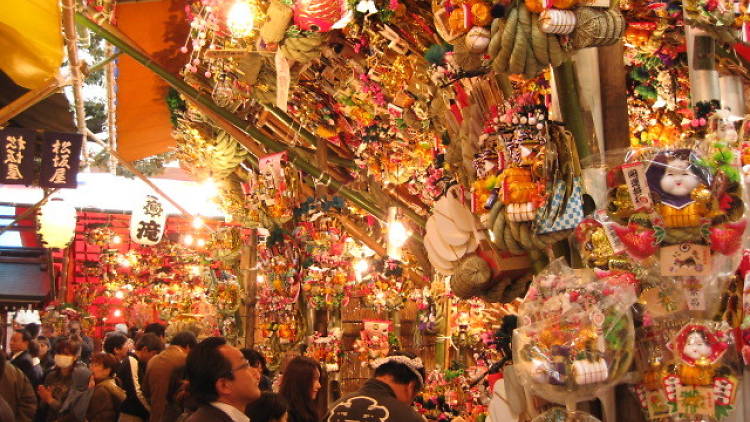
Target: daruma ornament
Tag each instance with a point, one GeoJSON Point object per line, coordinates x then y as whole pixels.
{"type": "Point", "coordinates": [318, 15]}
{"type": "Point", "coordinates": [57, 223]}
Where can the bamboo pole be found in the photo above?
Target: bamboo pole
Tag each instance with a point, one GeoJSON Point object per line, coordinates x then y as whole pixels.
{"type": "Point", "coordinates": [139, 175]}
{"type": "Point", "coordinates": [196, 97]}
{"type": "Point", "coordinates": [71, 38]}
{"type": "Point", "coordinates": [249, 274]}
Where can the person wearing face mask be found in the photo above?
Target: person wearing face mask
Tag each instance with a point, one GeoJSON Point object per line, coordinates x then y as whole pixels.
{"type": "Point", "coordinates": [387, 396]}
{"type": "Point", "coordinates": [58, 381]}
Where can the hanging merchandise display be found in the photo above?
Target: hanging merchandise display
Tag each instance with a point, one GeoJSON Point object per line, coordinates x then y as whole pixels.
{"type": "Point", "coordinates": [542, 200]}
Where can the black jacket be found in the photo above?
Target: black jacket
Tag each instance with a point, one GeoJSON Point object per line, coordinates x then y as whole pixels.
{"type": "Point", "coordinates": [131, 381]}
{"type": "Point", "coordinates": [373, 402]}
{"type": "Point", "coordinates": [25, 363]}
{"type": "Point", "coordinates": [208, 413]}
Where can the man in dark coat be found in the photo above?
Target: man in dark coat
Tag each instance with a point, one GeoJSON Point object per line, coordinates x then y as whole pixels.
{"type": "Point", "coordinates": [221, 381]}
{"type": "Point", "coordinates": [21, 358]}
{"type": "Point", "coordinates": [16, 390]}
{"type": "Point", "coordinates": [387, 396]}
{"type": "Point", "coordinates": [130, 374]}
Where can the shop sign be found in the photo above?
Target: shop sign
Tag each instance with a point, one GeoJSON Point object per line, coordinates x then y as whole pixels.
{"type": "Point", "coordinates": [17, 156]}
{"type": "Point", "coordinates": [61, 153]}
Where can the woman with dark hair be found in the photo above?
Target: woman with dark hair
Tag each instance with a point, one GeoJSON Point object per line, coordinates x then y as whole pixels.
{"type": "Point", "coordinates": [58, 381]}
{"type": "Point", "coordinates": [270, 407]}
{"type": "Point", "coordinates": [300, 385]}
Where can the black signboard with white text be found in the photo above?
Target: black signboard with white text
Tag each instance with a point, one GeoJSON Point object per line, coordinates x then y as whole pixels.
{"type": "Point", "coordinates": [61, 154]}
{"type": "Point", "coordinates": [17, 148]}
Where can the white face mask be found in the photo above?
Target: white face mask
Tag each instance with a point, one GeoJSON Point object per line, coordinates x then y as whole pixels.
{"type": "Point", "coordinates": [64, 361]}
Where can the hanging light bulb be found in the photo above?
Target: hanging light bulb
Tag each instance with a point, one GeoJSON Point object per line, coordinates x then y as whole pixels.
{"type": "Point", "coordinates": [397, 235]}
{"type": "Point", "coordinates": [119, 294]}
{"type": "Point", "coordinates": [117, 313]}
{"type": "Point", "coordinates": [210, 188]}
{"type": "Point", "coordinates": [187, 239]}
{"type": "Point", "coordinates": [116, 239]}
{"type": "Point", "coordinates": [260, 278]}
{"type": "Point", "coordinates": [360, 268]}
{"type": "Point", "coordinates": [57, 223]}
{"type": "Point", "coordinates": [198, 223]}
{"type": "Point", "coordinates": [200, 243]}
{"type": "Point", "coordinates": [240, 19]}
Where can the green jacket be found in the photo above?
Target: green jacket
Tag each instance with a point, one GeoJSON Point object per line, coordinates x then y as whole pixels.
{"type": "Point", "coordinates": [16, 389]}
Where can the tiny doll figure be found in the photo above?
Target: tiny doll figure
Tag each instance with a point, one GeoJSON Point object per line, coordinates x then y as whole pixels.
{"type": "Point", "coordinates": [700, 350]}
{"type": "Point", "coordinates": [680, 188]}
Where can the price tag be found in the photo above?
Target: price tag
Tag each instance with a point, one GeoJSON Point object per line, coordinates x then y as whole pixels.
{"type": "Point", "coordinates": [635, 177]}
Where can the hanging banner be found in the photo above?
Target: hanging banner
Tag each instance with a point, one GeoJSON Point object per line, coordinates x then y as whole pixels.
{"type": "Point", "coordinates": [17, 156]}
{"type": "Point", "coordinates": [148, 221]}
{"type": "Point", "coordinates": [61, 156]}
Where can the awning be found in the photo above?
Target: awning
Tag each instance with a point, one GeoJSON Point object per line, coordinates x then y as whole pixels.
{"type": "Point", "coordinates": [143, 121]}
{"type": "Point", "coordinates": [23, 278]}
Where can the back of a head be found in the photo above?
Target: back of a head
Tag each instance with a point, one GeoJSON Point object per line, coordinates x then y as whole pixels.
{"type": "Point", "coordinates": [70, 345]}
{"type": "Point", "coordinates": [402, 367]}
{"type": "Point", "coordinates": [184, 339]}
{"type": "Point", "coordinates": [156, 328]}
{"type": "Point", "coordinates": [114, 340]}
{"type": "Point", "coordinates": [151, 342]}
{"type": "Point", "coordinates": [106, 360]}
{"type": "Point", "coordinates": [269, 407]}
{"type": "Point", "coordinates": [34, 348]}
{"type": "Point", "coordinates": [255, 359]}
{"type": "Point", "coordinates": [33, 329]}
{"type": "Point", "coordinates": [204, 366]}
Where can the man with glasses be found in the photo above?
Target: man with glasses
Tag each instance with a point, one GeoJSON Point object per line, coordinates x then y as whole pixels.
{"type": "Point", "coordinates": [221, 381]}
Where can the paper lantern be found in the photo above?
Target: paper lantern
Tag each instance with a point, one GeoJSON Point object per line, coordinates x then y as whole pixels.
{"type": "Point", "coordinates": [57, 223]}
{"type": "Point", "coordinates": [148, 221]}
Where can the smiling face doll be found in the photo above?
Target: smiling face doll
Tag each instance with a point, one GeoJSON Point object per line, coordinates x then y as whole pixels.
{"type": "Point", "coordinates": [679, 186]}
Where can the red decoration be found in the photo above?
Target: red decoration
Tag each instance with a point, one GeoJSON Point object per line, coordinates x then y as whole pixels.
{"type": "Point", "coordinates": [639, 242]}
{"type": "Point", "coordinates": [727, 238]}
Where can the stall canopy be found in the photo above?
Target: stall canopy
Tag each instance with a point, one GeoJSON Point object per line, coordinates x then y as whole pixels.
{"type": "Point", "coordinates": [143, 123]}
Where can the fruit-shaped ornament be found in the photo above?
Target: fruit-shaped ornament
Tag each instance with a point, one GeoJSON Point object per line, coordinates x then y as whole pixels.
{"type": "Point", "coordinates": [319, 15]}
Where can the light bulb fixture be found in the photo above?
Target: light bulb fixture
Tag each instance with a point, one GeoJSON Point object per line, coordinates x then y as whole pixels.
{"type": "Point", "coordinates": [198, 223]}
{"type": "Point", "coordinates": [200, 243]}
{"type": "Point", "coordinates": [360, 268]}
{"type": "Point", "coordinates": [117, 313]}
{"type": "Point", "coordinates": [240, 19]}
{"type": "Point", "coordinates": [116, 239]}
{"type": "Point", "coordinates": [123, 261]}
{"type": "Point", "coordinates": [119, 294]}
{"type": "Point", "coordinates": [260, 278]}
{"type": "Point", "coordinates": [397, 234]}
{"type": "Point", "coordinates": [210, 188]}
{"type": "Point", "coordinates": [57, 223]}
{"type": "Point", "coordinates": [187, 239]}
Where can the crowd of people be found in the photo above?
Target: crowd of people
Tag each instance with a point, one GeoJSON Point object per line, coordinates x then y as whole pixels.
{"type": "Point", "coordinates": [140, 375]}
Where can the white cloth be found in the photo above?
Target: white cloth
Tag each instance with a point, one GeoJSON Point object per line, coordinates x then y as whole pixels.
{"type": "Point", "coordinates": [233, 412]}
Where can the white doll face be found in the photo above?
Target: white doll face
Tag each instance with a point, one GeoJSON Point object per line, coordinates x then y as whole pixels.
{"type": "Point", "coordinates": [696, 347]}
{"type": "Point", "coordinates": [678, 180]}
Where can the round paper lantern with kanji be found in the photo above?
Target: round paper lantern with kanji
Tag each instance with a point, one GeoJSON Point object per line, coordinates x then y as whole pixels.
{"type": "Point", "coordinates": [57, 223]}
{"type": "Point", "coordinates": [148, 221]}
